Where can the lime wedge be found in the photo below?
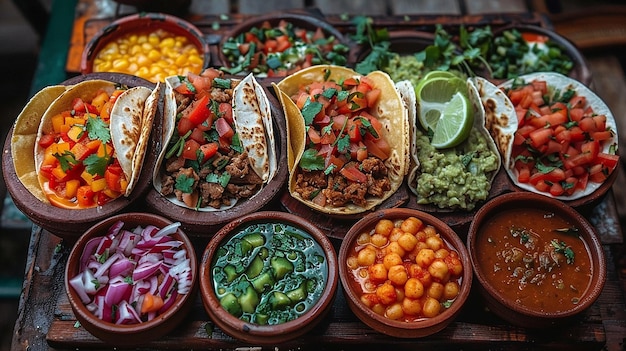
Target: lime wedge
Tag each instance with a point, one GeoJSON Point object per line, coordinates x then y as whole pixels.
{"type": "Point", "coordinates": [455, 123]}
{"type": "Point", "coordinates": [434, 74]}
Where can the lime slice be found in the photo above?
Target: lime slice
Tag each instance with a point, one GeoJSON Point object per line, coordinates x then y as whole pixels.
{"type": "Point", "coordinates": [432, 95]}
{"type": "Point", "coordinates": [455, 123]}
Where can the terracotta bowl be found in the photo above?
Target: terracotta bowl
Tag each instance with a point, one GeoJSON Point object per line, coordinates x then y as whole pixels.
{"type": "Point", "coordinates": [580, 71]}
{"type": "Point", "coordinates": [205, 224]}
{"type": "Point", "coordinates": [142, 23]}
{"type": "Point", "coordinates": [138, 333]}
{"type": "Point", "coordinates": [298, 20]}
{"type": "Point", "coordinates": [66, 223]}
{"type": "Point", "coordinates": [411, 323]}
{"type": "Point", "coordinates": [485, 228]}
{"type": "Point", "coordinates": [404, 42]}
{"type": "Point", "coordinates": [252, 325]}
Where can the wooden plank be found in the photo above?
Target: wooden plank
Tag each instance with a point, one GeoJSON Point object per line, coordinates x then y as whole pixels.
{"type": "Point", "coordinates": [425, 7]}
{"type": "Point", "coordinates": [212, 7]}
{"type": "Point", "coordinates": [596, 28]}
{"type": "Point", "coordinates": [354, 7]}
{"type": "Point", "coordinates": [495, 6]}
{"type": "Point", "coordinates": [265, 6]}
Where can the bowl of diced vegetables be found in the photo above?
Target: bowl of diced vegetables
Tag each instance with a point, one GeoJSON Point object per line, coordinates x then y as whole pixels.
{"type": "Point", "coordinates": [278, 44]}
{"type": "Point", "coordinates": [131, 278]}
{"type": "Point", "coordinates": [268, 277]}
{"type": "Point", "coordinates": [522, 49]}
{"type": "Point", "coordinates": [149, 45]}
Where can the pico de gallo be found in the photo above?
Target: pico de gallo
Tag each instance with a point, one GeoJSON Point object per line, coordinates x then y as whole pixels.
{"type": "Point", "coordinates": [344, 155]}
{"type": "Point", "coordinates": [79, 167]}
{"type": "Point", "coordinates": [561, 143]}
{"type": "Point", "coordinates": [205, 164]}
{"type": "Point", "coordinates": [277, 51]}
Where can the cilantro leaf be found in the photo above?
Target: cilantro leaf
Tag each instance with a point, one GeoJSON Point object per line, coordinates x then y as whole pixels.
{"type": "Point", "coordinates": [95, 164]}
{"type": "Point", "coordinates": [311, 161]}
{"type": "Point", "coordinates": [310, 110]}
{"type": "Point", "coordinates": [98, 129]}
{"type": "Point", "coordinates": [66, 160]}
{"type": "Point", "coordinates": [235, 144]}
{"type": "Point", "coordinates": [184, 183]}
{"type": "Point", "coordinates": [222, 179]}
{"type": "Point", "coordinates": [343, 143]}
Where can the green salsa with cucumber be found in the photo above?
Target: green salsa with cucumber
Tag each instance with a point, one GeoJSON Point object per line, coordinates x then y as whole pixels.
{"type": "Point", "coordinates": [269, 273]}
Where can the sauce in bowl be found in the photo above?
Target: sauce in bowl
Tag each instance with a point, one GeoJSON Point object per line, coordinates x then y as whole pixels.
{"type": "Point", "coordinates": [535, 258]}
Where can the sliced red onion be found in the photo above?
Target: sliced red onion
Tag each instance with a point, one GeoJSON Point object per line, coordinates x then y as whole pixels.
{"type": "Point", "coordinates": [123, 266]}
{"type": "Point", "coordinates": [168, 230]}
{"type": "Point", "coordinates": [103, 269]}
{"type": "Point", "coordinates": [79, 287]}
{"type": "Point", "coordinates": [168, 301]}
{"type": "Point", "coordinates": [146, 270]}
{"type": "Point", "coordinates": [117, 291]}
{"type": "Point", "coordinates": [90, 248]}
{"type": "Point", "coordinates": [126, 314]}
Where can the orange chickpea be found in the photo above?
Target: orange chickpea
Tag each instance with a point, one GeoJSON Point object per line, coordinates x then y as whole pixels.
{"type": "Point", "coordinates": [352, 262]}
{"type": "Point", "coordinates": [413, 288]}
{"type": "Point", "coordinates": [363, 239]}
{"type": "Point", "coordinates": [454, 264]}
{"type": "Point", "coordinates": [442, 253]}
{"type": "Point", "coordinates": [369, 300]}
{"type": "Point", "coordinates": [425, 257]}
{"type": "Point", "coordinates": [379, 308]}
{"type": "Point", "coordinates": [396, 233]}
{"type": "Point", "coordinates": [421, 235]}
{"type": "Point", "coordinates": [394, 247]}
{"type": "Point", "coordinates": [429, 230]}
{"type": "Point", "coordinates": [391, 259]}
{"type": "Point", "coordinates": [384, 227]}
{"type": "Point", "coordinates": [378, 240]}
{"type": "Point", "coordinates": [411, 225]}
{"type": "Point", "coordinates": [397, 275]}
{"type": "Point", "coordinates": [435, 290]}
{"type": "Point", "coordinates": [377, 273]}
{"type": "Point", "coordinates": [439, 270]}
{"type": "Point", "coordinates": [434, 242]}
{"type": "Point", "coordinates": [451, 290]}
{"type": "Point", "coordinates": [431, 307]}
{"type": "Point", "coordinates": [366, 256]}
{"type": "Point", "coordinates": [399, 294]}
{"type": "Point", "coordinates": [386, 293]}
{"type": "Point", "coordinates": [407, 241]}
{"type": "Point", "coordinates": [411, 306]}
{"type": "Point", "coordinates": [394, 311]}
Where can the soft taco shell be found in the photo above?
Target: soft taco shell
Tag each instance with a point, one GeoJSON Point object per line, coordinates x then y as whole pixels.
{"type": "Point", "coordinates": [24, 136]}
{"type": "Point", "coordinates": [130, 124]}
{"type": "Point", "coordinates": [558, 81]}
{"type": "Point", "coordinates": [389, 110]}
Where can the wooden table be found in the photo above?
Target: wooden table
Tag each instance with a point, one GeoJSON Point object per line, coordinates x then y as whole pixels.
{"type": "Point", "coordinates": [45, 320]}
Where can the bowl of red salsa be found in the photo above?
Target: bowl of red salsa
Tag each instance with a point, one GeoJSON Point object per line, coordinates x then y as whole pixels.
{"type": "Point", "coordinates": [538, 262]}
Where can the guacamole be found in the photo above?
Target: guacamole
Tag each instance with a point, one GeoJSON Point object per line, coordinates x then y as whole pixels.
{"type": "Point", "coordinates": [408, 67]}
{"type": "Point", "coordinates": [458, 177]}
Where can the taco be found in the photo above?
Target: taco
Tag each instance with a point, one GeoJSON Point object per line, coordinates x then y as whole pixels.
{"type": "Point", "coordinates": [219, 140]}
{"type": "Point", "coordinates": [459, 177]}
{"type": "Point", "coordinates": [75, 155]}
{"type": "Point", "coordinates": [348, 138]}
{"type": "Point", "coordinates": [566, 143]}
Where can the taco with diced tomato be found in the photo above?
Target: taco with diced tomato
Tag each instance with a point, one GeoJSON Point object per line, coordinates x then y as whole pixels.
{"type": "Point", "coordinates": [90, 143]}
{"type": "Point", "coordinates": [348, 138]}
{"type": "Point", "coordinates": [219, 139]}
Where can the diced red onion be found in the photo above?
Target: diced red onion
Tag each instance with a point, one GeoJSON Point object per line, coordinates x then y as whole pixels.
{"type": "Point", "coordinates": [126, 314]}
{"type": "Point", "coordinates": [79, 287]}
{"type": "Point", "coordinates": [167, 230]}
{"type": "Point", "coordinates": [117, 291]}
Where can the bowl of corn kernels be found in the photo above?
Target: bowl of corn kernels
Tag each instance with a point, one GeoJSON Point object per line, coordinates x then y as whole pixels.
{"type": "Point", "coordinates": [151, 46]}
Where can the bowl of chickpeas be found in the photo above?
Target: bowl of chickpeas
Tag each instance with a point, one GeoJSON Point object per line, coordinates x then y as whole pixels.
{"type": "Point", "coordinates": [151, 46]}
{"type": "Point", "coordinates": [404, 272]}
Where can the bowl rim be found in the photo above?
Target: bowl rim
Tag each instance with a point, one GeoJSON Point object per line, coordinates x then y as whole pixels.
{"type": "Point", "coordinates": [102, 327]}
{"type": "Point", "coordinates": [255, 333]}
{"type": "Point", "coordinates": [591, 239]}
{"type": "Point", "coordinates": [451, 238]}
{"type": "Point", "coordinates": [142, 20]}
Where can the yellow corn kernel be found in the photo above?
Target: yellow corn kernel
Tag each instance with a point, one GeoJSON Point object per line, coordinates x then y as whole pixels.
{"type": "Point", "coordinates": [135, 50]}
{"type": "Point", "coordinates": [154, 55]}
{"type": "Point", "coordinates": [154, 39]}
{"type": "Point", "coordinates": [120, 64]}
{"type": "Point", "coordinates": [143, 71]}
{"type": "Point", "coordinates": [133, 38]}
{"type": "Point", "coordinates": [146, 47]}
{"type": "Point", "coordinates": [155, 69]}
{"type": "Point", "coordinates": [71, 187]}
{"type": "Point", "coordinates": [194, 59]}
{"type": "Point", "coordinates": [142, 39]}
{"type": "Point", "coordinates": [167, 43]}
{"type": "Point", "coordinates": [98, 185]}
{"type": "Point", "coordinates": [87, 177]}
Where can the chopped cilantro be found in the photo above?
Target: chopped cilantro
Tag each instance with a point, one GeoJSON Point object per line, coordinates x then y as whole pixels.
{"type": "Point", "coordinates": [368, 127]}
{"type": "Point", "coordinates": [66, 160]}
{"type": "Point", "coordinates": [343, 143]}
{"type": "Point", "coordinates": [184, 183]}
{"type": "Point", "coordinates": [221, 83]}
{"type": "Point", "coordinates": [562, 248]}
{"type": "Point", "coordinates": [98, 129]}
{"type": "Point", "coordinates": [311, 161]}
{"type": "Point", "coordinates": [310, 110]}
{"type": "Point", "coordinates": [95, 164]}
{"type": "Point", "coordinates": [222, 179]}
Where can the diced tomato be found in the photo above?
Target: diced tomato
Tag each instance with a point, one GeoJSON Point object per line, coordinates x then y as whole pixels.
{"type": "Point", "coordinates": [556, 189]}
{"type": "Point", "coordinates": [198, 112]}
{"type": "Point", "coordinates": [78, 105]}
{"type": "Point", "coordinates": [47, 140]}
{"type": "Point", "coordinates": [601, 136]}
{"type": "Point", "coordinates": [185, 125]}
{"type": "Point", "coordinates": [542, 186]}
{"type": "Point", "coordinates": [113, 179]}
{"type": "Point", "coordinates": [607, 160]}
{"type": "Point", "coordinates": [314, 136]}
{"type": "Point", "coordinates": [208, 150]}
{"type": "Point", "coordinates": [540, 137]}
{"type": "Point", "coordinates": [226, 112]}
{"type": "Point", "coordinates": [190, 149]}
{"type": "Point", "coordinates": [532, 37]}
{"type": "Point", "coordinates": [378, 147]}
{"type": "Point", "coordinates": [224, 129]}
{"type": "Point", "coordinates": [198, 135]}
{"type": "Point", "coordinates": [524, 174]}
{"type": "Point", "coordinates": [352, 173]}
{"type": "Point", "coordinates": [587, 125]}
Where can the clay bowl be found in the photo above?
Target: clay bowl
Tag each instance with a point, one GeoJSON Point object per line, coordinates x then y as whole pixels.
{"type": "Point", "coordinates": [304, 21]}
{"type": "Point", "coordinates": [205, 224]}
{"type": "Point", "coordinates": [151, 59]}
{"type": "Point", "coordinates": [580, 71]}
{"type": "Point", "coordinates": [268, 285]}
{"type": "Point", "coordinates": [486, 233]}
{"type": "Point", "coordinates": [145, 331]}
{"type": "Point", "coordinates": [401, 317]}
{"type": "Point", "coordinates": [67, 223]}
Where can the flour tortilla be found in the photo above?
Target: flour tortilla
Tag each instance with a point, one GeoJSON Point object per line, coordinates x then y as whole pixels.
{"type": "Point", "coordinates": [131, 122]}
{"type": "Point", "coordinates": [558, 81]}
{"type": "Point", "coordinates": [24, 136]}
{"type": "Point", "coordinates": [389, 110]}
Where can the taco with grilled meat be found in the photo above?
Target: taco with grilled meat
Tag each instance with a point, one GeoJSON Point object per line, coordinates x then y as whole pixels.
{"type": "Point", "coordinates": [83, 137]}
{"type": "Point", "coordinates": [348, 138]}
{"type": "Point", "coordinates": [219, 138]}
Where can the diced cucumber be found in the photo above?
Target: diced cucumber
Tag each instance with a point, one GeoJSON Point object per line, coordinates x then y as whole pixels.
{"type": "Point", "coordinates": [255, 267]}
{"type": "Point", "coordinates": [231, 272]}
{"type": "Point", "coordinates": [249, 300]}
{"type": "Point", "coordinates": [262, 281]}
{"type": "Point", "coordinates": [255, 239]}
{"type": "Point", "coordinates": [231, 305]}
{"type": "Point", "coordinates": [298, 294]}
{"type": "Point", "coordinates": [279, 300]}
{"type": "Point", "coordinates": [281, 267]}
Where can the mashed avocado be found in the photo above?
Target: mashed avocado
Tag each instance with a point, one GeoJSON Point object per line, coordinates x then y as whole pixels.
{"type": "Point", "coordinates": [458, 177]}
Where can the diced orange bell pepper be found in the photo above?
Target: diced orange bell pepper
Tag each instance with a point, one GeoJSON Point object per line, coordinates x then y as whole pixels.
{"type": "Point", "coordinates": [98, 185]}
{"type": "Point", "coordinates": [84, 196]}
{"type": "Point", "coordinates": [71, 187]}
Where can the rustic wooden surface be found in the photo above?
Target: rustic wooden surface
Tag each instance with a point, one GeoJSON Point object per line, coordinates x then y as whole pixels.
{"type": "Point", "coordinates": [46, 322]}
